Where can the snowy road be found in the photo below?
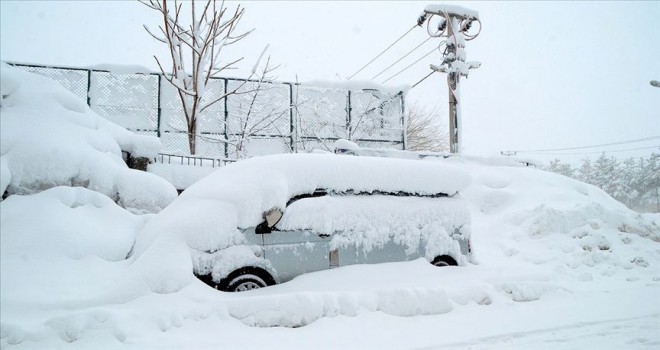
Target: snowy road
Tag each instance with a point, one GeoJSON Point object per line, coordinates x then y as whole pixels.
{"type": "Point", "coordinates": [627, 333]}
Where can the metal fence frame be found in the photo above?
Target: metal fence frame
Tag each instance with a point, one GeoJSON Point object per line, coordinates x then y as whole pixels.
{"type": "Point", "coordinates": [294, 137]}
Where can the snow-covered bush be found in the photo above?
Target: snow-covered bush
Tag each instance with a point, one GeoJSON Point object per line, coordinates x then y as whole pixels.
{"type": "Point", "coordinates": [50, 138]}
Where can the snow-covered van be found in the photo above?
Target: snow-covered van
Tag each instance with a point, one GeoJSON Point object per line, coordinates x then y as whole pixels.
{"type": "Point", "coordinates": [266, 220]}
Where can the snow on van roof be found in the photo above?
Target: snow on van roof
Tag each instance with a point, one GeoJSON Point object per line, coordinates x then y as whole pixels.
{"type": "Point", "coordinates": [261, 183]}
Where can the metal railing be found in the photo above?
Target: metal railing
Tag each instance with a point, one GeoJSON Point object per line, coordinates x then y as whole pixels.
{"type": "Point", "coordinates": [191, 160]}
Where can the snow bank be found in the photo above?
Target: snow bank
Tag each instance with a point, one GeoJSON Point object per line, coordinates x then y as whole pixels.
{"type": "Point", "coordinates": [399, 289]}
{"type": "Point", "coordinates": [546, 245]}
{"type": "Point", "coordinates": [49, 138]}
{"type": "Point", "coordinates": [541, 218]}
{"type": "Point", "coordinates": [63, 244]}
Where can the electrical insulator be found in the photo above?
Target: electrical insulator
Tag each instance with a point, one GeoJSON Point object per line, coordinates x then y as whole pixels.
{"type": "Point", "coordinates": [422, 19]}
{"type": "Point", "coordinates": [442, 25]}
{"type": "Point", "coordinates": [466, 25]}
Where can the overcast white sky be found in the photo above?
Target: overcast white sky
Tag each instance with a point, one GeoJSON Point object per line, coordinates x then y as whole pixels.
{"type": "Point", "coordinates": [553, 74]}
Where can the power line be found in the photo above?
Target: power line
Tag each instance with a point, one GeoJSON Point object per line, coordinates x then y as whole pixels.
{"type": "Point", "coordinates": [592, 146]}
{"type": "Point", "coordinates": [614, 151]}
{"type": "Point", "coordinates": [382, 52]}
{"type": "Point", "coordinates": [399, 60]}
{"type": "Point", "coordinates": [410, 65]}
{"type": "Point", "coordinates": [421, 80]}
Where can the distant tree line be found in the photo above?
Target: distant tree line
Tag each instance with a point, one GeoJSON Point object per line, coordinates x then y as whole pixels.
{"type": "Point", "coordinates": [634, 182]}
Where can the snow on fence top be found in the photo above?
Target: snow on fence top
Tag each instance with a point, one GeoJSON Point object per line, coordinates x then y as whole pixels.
{"type": "Point", "coordinates": [285, 117]}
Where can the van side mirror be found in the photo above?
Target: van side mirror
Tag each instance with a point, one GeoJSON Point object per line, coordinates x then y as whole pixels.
{"type": "Point", "coordinates": [271, 218]}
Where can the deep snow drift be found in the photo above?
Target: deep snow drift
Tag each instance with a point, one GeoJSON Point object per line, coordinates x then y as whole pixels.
{"type": "Point", "coordinates": [552, 253]}
{"type": "Point", "coordinates": [49, 138]}
{"type": "Point", "coordinates": [559, 263]}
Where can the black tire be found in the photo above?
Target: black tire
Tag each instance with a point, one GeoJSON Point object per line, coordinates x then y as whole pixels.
{"type": "Point", "coordinates": [246, 282]}
{"type": "Point", "coordinates": [245, 279]}
{"type": "Point", "coordinates": [444, 260]}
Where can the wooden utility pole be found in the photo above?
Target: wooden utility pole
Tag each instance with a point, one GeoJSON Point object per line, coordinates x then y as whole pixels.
{"type": "Point", "coordinates": [453, 24]}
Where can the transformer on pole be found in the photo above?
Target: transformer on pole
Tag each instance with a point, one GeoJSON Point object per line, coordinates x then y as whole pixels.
{"type": "Point", "coordinates": [454, 23]}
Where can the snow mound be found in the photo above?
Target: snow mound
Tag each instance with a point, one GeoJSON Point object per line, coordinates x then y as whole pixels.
{"type": "Point", "coordinates": [50, 138]}
{"type": "Point", "coordinates": [545, 219]}
{"type": "Point", "coordinates": [72, 240]}
{"type": "Point", "coordinates": [399, 289]}
{"type": "Point", "coordinates": [546, 245]}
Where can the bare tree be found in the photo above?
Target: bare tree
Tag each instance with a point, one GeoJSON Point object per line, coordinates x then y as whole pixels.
{"type": "Point", "coordinates": [202, 41]}
{"type": "Point", "coordinates": [255, 114]}
{"type": "Point", "coordinates": [425, 132]}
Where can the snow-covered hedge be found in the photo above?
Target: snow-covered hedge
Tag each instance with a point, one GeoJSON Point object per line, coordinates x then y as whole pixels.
{"type": "Point", "coordinates": [50, 138]}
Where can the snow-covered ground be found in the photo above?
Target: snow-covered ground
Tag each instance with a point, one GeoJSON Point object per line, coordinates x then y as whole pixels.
{"type": "Point", "coordinates": [559, 265]}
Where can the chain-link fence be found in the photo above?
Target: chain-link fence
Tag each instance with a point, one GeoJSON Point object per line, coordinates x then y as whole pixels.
{"type": "Point", "coordinates": [259, 118]}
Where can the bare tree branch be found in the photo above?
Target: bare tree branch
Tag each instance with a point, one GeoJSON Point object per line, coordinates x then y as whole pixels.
{"type": "Point", "coordinates": [425, 132]}
{"type": "Point", "coordinates": [201, 40]}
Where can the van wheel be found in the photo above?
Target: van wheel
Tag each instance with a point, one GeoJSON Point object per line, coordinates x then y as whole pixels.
{"type": "Point", "coordinates": [245, 282]}
{"type": "Point", "coordinates": [245, 279]}
{"type": "Point", "coordinates": [444, 260]}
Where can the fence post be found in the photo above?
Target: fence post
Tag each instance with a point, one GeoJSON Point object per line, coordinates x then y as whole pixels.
{"type": "Point", "coordinates": [158, 96]}
{"type": "Point", "coordinates": [89, 85]}
{"type": "Point", "coordinates": [349, 110]}
{"type": "Point", "coordinates": [294, 143]}
{"type": "Point", "coordinates": [404, 121]}
{"type": "Point", "coordinates": [226, 116]}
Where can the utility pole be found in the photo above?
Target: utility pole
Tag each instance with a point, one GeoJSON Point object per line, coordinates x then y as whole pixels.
{"type": "Point", "coordinates": [452, 23]}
